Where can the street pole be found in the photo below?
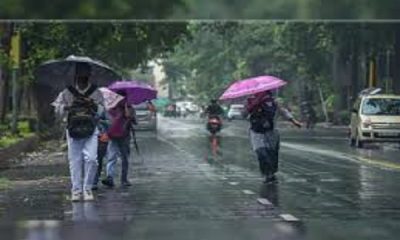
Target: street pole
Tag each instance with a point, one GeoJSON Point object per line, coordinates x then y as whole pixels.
{"type": "Point", "coordinates": [388, 78]}
{"type": "Point", "coordinates": [15, 58]}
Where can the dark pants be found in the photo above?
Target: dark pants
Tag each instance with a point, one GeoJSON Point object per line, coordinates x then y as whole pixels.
{"type": "Point", "coordinates": [268, 160]}
{"type": "Point", "coordinates": [119, 147]}
{"type": "Point", "coordinates": [101, 153]}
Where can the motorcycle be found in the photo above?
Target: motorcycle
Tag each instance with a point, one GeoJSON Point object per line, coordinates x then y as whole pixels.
{"type": "Point", "coordinates": [214, 124]}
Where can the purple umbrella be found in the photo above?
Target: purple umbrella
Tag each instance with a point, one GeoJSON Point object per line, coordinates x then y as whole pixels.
{"type": "Point", "coordinates": [251, 86]}
{"type": "Point", "coordinates": [136, 92]}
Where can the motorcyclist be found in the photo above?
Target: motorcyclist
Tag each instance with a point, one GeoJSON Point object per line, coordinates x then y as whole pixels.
{"type": "Point", "coordinates": [214, 109]}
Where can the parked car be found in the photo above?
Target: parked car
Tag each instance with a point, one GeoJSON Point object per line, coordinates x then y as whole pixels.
{"type": "Point", "coordinates": [236, 111]}
{"type": "Point", "coordinates": [375, 118]}
{"type": "Point", "coordinates": [146, 117]}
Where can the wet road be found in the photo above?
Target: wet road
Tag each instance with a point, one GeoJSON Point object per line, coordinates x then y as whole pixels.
{"type": "Point", "coordinates": [187, 186]}
{"type": "Point", "coordinates": [337, 192]}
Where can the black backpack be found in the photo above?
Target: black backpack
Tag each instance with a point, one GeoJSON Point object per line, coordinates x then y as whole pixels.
{"type": "Point", "coordinates": [262, 118]}
{"type": "Point", "coordinates": [81, 122]}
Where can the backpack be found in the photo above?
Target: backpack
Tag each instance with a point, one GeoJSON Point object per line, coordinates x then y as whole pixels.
{"type": "Point", "coordinates": [81, 121]}
{"type": "Point", "coordinates": [121, 126]}
{"type": "Point", "coordinates": [262, 118]}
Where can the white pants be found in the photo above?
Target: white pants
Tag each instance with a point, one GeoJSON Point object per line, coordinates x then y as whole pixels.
{"type": "Point", "coordinates": [82, 155]}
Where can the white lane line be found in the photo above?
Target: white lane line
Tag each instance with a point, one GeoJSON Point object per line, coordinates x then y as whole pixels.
{"type": "Point", "coordinates": [233, 183]}
{"type": "Point", "coordinates": [248, 192]}
{"type": "Point", "coordinates": [224, 178]}
{"type": "Point", "coordinates": [330, 180]}
{"type": "Point", "coordinates": [289, 218]}
{"type": "Point", "coordinates": [296, 180]}
{"type": "Point", "coordinates": [264, 201]}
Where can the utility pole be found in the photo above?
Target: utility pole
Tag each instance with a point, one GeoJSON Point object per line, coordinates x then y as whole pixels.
{"type": "Point", "coordinates": [372, 73]}
{"type": "Point", "coordinates": [388, 80]}
{"type": "Point", "coordinates": [15, 58]}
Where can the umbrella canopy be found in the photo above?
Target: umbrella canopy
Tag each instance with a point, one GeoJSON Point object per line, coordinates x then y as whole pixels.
{"type": "Point", "coordinates": [252, 86]}
{"type": "Point", "coordinates": [111, 99]}
{"type": "Point", "coordinates": [58, 74]}
{"type": "Point", "coordinates": [136, 92]}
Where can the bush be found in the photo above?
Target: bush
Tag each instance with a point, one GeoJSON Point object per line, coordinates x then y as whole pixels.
{"type": "Point", "coordinates": [4, 183]}
{"type": "Point", "coordinates": [7, 139]}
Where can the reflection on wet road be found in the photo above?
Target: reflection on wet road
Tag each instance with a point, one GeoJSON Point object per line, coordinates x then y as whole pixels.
{"type": "Point", "coordinates": [188, 185]}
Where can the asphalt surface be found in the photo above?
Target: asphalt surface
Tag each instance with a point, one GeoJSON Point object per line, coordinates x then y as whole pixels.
{"type": "Point", "coordinates": [188, 185]}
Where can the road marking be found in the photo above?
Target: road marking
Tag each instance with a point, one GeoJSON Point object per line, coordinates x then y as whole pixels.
{"type": "Point", "coordinates": [330, 180]}
{"type": "Point", "coordinates": [335, 154]}
{"type": "Point", "coordinates": [224, 178]}
{"type": "Point", "coordinates": [380, 163]}
{"type": "Point", "coordinates": [296, 180]}
{"type": "Point", "coordinates": [264, 201]}
{"type": "Point", "coordinates": [248, 192]}
{"type": "Point", "coordinates": [233, 183]}
{"type": "Point", "coordinates": [289, 218]}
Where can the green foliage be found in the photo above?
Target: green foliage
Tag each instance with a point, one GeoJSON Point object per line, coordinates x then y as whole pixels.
{"type": "Point", "coordinates": [7, 139]}
{"type": "Point", "coordinates": [215, 54]}
{"type": "Point", "coordinates": [123, 46]}
{"type": "Point", "coordinates": [4, 183]}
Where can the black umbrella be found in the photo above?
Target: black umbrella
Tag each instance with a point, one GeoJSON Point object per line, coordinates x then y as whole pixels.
{"type": "Point", "coordinates": [58, 74]}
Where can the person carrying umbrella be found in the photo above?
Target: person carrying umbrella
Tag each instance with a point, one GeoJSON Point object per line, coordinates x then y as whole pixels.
{"type": "Point", "coordinates": [82, 102]}
{"type": "Point", "coordinates": [122, 118]}
{"type": "Point", "coordinates": [261, 108]}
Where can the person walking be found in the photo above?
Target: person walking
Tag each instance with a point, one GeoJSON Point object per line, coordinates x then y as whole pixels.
{"type": "Point", "coordinates": [265, 140]}
{"type": "Point", "coordinates": [122, 119]}
{"type": "Point", "coordinates": [104, 124]}
{"type": "Point", "coordinates": [81, 103]}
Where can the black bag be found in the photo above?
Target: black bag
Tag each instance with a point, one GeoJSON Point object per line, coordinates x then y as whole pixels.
{"type": "Point", "coordinates": [262, 118]}
{"type": "Point", "coordinates": [81, 121]}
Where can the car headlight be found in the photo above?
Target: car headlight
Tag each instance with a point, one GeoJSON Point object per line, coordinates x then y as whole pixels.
{"type": "Point", "coordinates": [367, 123]}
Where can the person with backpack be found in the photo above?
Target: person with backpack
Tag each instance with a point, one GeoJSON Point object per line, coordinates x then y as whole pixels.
{"type": "Point", "coordinates": [262, 109]}
{"type": "Point", "coordinates": [82, 103]}
{"type": "Point", "coordinates": [122, 121]}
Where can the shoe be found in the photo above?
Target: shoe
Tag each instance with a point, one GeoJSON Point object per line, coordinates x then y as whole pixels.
{"type": "Point", "coordinates": [270, 179]}
{"type": "Point", "coordinates": [88, 195]}
{"type": "Point", "coordinates": [126, 184]}
{"type": "Point", "coordinates": [76, 196]}
{"type": "Point", "coordinates": [109, 182]}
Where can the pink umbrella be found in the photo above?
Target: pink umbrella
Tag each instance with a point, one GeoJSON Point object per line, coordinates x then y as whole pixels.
{"type": "Point", "coordinates": [111, 99]}
{"type": "Point", "coordinates": [252, 86]}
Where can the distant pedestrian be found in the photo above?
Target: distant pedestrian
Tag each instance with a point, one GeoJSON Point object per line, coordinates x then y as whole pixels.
{"type": "Point", "coordinates": [122, 119]}
{"type": "Point", "coordinates": [264, 137]}
{"type": "Point", "coordinates": [82, 103]}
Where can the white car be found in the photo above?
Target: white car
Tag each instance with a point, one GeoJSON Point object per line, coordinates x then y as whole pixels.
{"type": "Point", "coordinates": [375, 118]}
{"type": "Point", "coordinates": [235, 111]}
